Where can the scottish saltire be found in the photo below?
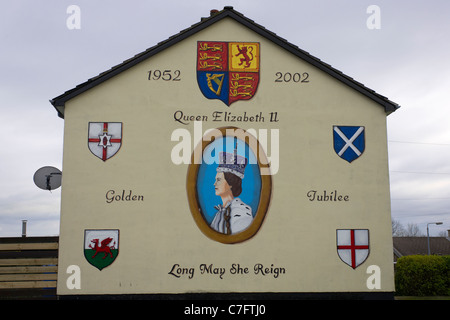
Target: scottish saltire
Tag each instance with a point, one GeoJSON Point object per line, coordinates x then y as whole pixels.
{"type": "Point", "coordinates": [101, 247]}
{"type": "Point", "coordinates": [228, 71]}
{"type": "Point", "coordinates": [104, 139]}
{"type": "Point", "coordinates": [349, 142]}
{"type": "Point", "coordinates": [352, 246]}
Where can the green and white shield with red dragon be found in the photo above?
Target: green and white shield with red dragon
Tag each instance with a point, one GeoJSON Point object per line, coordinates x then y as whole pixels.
{"type": "Point", "coordinates": [101, 247]}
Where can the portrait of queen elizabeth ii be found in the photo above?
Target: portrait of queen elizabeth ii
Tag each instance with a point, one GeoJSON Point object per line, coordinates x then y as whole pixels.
{"type": "Point", "coordinates": [228, 196]}
{"type": "Point", "coordinates": [233, 215]}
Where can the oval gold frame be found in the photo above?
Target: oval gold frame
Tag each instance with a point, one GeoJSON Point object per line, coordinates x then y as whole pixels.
{"type": "Point", "coordinates": [265, 194]}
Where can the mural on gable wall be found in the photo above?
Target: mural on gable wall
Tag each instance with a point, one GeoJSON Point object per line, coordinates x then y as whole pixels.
{"type": "Point", "coordinates": [229, 183]}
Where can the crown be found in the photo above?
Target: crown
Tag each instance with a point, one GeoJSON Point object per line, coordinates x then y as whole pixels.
{"type": "Point", "coordinates": [233, 163]}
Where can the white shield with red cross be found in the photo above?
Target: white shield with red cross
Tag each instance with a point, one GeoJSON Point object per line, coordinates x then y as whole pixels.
{"type": "Point", "coordinates": [104, 139]}
{"type": "Point", "coordinates": [352, 246]}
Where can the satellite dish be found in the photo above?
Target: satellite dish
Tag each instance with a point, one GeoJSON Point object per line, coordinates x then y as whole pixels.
{"type": "Point", "coordinates": [48, 178]}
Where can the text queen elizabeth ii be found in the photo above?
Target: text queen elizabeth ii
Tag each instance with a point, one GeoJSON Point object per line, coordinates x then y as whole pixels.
{"type": "Point", "coordinates": [233, 215]}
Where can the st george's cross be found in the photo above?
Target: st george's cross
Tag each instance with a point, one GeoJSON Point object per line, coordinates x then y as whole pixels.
{"type": "Point", "coordinates": [352, 246]}
{"type": "Point", "coordinates": [104, 139]}
{"type": "Point", "coordinates": [349, 142]}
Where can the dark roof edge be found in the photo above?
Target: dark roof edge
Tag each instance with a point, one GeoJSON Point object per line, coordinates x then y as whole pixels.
{"type": "Point", "coordinates": [59, 102]}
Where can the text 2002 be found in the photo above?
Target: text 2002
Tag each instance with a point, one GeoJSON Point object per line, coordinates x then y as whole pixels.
{"type": "Point", "coordinates": [289, 77]}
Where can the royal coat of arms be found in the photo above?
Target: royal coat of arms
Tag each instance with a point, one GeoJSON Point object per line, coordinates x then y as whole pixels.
{"type": "Point", "coordinates": [101, 247]}
{"type": "Point", "coordinates": [228, 71]}
{"type": "Point", "coordinates": [352, 246]}
{"type": "Point", "coordinates": [104, 139]}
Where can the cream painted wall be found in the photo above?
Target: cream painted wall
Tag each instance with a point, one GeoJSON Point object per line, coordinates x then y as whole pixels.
{"type": "Point", "coordinates": [159, 232]}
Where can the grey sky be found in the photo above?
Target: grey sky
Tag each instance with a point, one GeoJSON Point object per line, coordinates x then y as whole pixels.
{"type": "Point", "coordinates": [406, 60]}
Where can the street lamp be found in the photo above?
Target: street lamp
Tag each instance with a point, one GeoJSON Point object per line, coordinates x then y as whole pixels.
{"type": "Point", "coordinates": [428, 234]}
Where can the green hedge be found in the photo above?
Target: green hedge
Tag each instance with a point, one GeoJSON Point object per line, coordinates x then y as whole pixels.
{"type": "Point", "coordinates": [423, 276]}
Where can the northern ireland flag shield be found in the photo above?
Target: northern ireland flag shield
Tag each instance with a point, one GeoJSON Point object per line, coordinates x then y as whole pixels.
{"type": "Point", "coordinates": [349, 142]}
{"type": "Point", "coordinates": [352, 246]}
{"type": "Point", "coordinates": [101, 247]}
{"type": "Point", "coordinates": [228, 71]}
{"type": "Point", "coordinates": [104, 139]}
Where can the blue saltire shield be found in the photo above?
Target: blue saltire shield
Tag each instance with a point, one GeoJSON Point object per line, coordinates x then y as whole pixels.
{"type": "Point", "coordinates": [349, 142]}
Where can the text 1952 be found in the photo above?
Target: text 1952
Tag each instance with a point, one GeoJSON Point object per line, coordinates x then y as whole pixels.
{"type": "Point", "coordinates": [165, 75]}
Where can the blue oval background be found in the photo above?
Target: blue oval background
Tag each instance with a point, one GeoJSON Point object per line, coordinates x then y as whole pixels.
{"type": "Point", "coordinates": [251, 184]}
